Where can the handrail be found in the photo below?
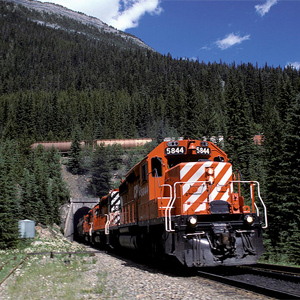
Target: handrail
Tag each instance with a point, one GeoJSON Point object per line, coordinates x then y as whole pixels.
{"type": "Point", "coordinates": [168, 206]}
{"type": "Point", "coordinates": [169, 200]}
{"type": "Point", "coordinates": [259, 196]}
{"type": "Point", "coordinates": [168, 220]}
{"type": "Point", "coordinates": [170, 191]}
{"type": "Point", "coordinates": [107, 223]}
{"type": "Point", "coordinates": [160, 186]}
{"type": "Point", "coordinates": [114, 218]}
{"type": "Point", "coordinates": [91, 229]}
{"type": "Point", "coordinates": [256, 207]}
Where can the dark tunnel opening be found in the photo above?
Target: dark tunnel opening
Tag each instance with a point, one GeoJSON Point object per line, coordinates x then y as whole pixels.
{"type": "Point", "coordinates": [77, 216]}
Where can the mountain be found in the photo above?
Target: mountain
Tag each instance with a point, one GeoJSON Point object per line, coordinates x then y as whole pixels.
{"type": "Point", "coordinates": [90, 80]}
{"type": "Point", "coordinates": [53, 15]}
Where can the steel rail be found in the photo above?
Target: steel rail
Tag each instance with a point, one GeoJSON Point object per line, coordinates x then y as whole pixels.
{"type": "Point", "coordinates": [278, 268]}
{"type": "Point", "coordinates": [14, 269]}
{"type": "Point", "coordinates": [278, 272]}
{"type": "Point", "coordinates": [7, 262]}
{"type": "Point", "coordinates": [67, 252]}
{"type": "Point", "coordinates": [275, 293]}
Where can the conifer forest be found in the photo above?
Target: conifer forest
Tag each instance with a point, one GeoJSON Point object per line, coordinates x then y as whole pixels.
{"type": "Point", "coordinates": [59, 85]}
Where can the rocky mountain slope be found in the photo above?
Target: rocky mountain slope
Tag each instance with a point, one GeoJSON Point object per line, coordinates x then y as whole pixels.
{"type": "Point", "coordinates": [77, 184]}
{"type": "Point", "coordinates": [55, 9]}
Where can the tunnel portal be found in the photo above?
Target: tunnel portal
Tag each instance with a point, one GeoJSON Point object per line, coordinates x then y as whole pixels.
{"type": "Point", "coordinates": [78, 208]}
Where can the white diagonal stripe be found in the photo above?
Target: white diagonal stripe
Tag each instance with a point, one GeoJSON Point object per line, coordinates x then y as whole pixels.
{"type": "Point", "coordinates": [202, 206]}
{"type": "Point", "coordinates": [221, 183]}
{"type": "Point", "coordinates": [195, 176]}
{"type": "Point", "coordinates": [219, 168]}
{"type": "Point", "coordinates": [186, 169]}
{"type": "Point", "coordinates": [191, 200]}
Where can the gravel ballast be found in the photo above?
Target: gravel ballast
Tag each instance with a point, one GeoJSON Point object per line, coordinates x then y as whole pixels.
{"type": "Point", "coordinates": [125, 279]}
{"type": "Point", "coordinates": [109, 276]}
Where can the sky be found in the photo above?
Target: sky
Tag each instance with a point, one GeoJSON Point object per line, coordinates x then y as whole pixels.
{"type": "Point", "coordinates": [241, 31]}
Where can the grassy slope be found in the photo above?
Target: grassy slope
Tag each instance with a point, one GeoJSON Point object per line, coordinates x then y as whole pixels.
{"type": "Point", "coordinates": [45, 277]}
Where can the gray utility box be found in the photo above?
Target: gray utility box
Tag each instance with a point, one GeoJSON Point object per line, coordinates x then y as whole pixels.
{"type": "Point", "coordinates": [26, 229]}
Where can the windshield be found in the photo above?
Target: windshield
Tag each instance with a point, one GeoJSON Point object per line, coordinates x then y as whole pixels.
{"type": "Point", "coordinates": [173, 161]}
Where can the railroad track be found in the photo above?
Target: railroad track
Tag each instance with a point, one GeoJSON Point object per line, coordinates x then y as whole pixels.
{"type": "Point", "coordinates": [274, 281]}
{"type": "Point", "coordinates": [7, 262]}
{"type": "Point", "coordinates": [278, 272]}
{"type": "Point", "coordinates": [293, 271]}
{"type": "Point", "coordinates": [13, 269]}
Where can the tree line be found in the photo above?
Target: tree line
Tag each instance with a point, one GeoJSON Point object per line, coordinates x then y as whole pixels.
{"type": "Point", "coordinates": [54, 83]}
{"type": "Point", "coordinates": [31, 187]}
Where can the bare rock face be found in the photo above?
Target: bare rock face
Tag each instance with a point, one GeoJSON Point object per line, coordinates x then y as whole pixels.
{"type": "Point", "coordinates": [43, 231]}
{"type": "Point", "coordinates": [77, 184]}
{"type": "Point", "coordinates": [51, 8]}
{"type": "Point", "coordinates": [63, 212]}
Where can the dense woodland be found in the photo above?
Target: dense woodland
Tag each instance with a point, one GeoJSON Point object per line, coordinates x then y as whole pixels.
{"type": "Point", "coordinates": [58, 84]}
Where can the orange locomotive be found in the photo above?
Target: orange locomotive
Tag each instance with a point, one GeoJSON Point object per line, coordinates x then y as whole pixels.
{"type": "Point", "coordinates": [94, 226]}
{"type": "Point", "coordinates": [181, 201]}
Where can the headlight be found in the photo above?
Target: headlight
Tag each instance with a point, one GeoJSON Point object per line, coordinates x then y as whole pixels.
{"type": "Point", "coordinates": [210, 171]}
{"type": "Point", "coordinates": [249, 219]}
{"type": "Point", "coordinates": [192, 221]}
{"type": "Point", "coordinates": [211, 179]}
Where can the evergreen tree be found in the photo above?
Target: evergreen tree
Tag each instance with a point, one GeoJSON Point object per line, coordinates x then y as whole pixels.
{"type": "Point", "coordinates": [99, 184]}
{"type": "Point", "coordinates": [238, 139]}
{"type": "Point", "coordinates": [289, 186]}
{"type": "Point", "coordinates": [192, 111]}
{"type": "Point", "coordinates": [105, 87]}
{"type": "Point", "coordinates": [42, 187]}
{"type": "Point", "coordinates": [74, 163]}
{"type": "Point", "coordinates": [273, 150]}
{"type": "Point", "coordinates": [9, 201]}
{"type": "Point", "coordinates": [40, 171]}
{"type": "Point", "coordinates": [28, 195]}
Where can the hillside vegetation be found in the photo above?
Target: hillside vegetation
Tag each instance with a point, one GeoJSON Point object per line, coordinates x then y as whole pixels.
{"type": "Point", "coordinates": [58, 82]}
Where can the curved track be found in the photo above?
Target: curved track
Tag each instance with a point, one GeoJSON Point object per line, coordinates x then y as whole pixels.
{"type": "Point", "coordinates": [13, 269]}
{"type": "Point", "coordinates": [273, 281]}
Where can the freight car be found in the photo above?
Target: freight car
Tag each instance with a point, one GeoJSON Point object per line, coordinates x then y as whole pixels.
{"type": "Point", "coordinates": [182, 200]}
{"type": "Point", "coordinates": [65, 146]}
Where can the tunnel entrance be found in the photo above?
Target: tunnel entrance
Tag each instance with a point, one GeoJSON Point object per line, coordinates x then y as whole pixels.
{"type": "Point", "coordinates": [78, 208]}
{"type": "Point", "coordinates": [77, 216]}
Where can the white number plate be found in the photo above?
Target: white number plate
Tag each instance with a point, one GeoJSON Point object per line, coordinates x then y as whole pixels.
{"type": "Point", "coordinates": [203, 150]}
{"type": "Point", "coordinates": [175, 150]}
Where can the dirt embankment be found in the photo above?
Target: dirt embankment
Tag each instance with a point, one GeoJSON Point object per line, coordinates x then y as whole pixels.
{"type": "Point", "coordinates": [78, 187]}
{"type": "Point", "coordinates": [77, 184]}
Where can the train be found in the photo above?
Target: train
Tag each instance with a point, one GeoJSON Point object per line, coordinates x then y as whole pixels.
{"type": "Point", "coordinates": [182, 201]}
{"type": "Point", "coordinates": [65, 146]}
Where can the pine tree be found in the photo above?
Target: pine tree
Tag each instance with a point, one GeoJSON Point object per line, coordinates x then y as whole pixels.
{"type": "Point", "coordinates": [289, 186]}
{"type": "Point", "coordinates": [238, 139]}
{"type": "Point", "coordinates": [99, 184]}
{"type": "Point", "coordinates": [74, 164]}
{"type": "Point", "coordinates": [40, 171]}
{"type": "Point", "coordinates": [192, 111]}
{"type": "Point", "coordinates": [273, 155]}
{"type": "Point", "coordinates": [9, 200]}
{"type": "Point", "coordinates": [28, 195]}
{"type": "Point", "coordinates": [58, 193]}
{"type": "Point", "coordinates": [8, 216]}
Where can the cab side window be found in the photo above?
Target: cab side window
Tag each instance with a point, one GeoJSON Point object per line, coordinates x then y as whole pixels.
{"type": "Point", "coordinates": [97, 213]}
{"type": "Point", "coordinates": [145, 172]}
{"type": "Point", "coordinates": [156, 166]}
